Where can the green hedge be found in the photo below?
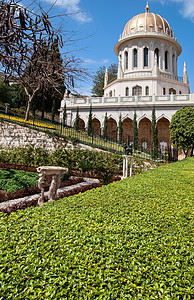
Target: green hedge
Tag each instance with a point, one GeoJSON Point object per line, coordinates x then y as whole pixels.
{"type": "Point", "coordinates": [13, 180]}
{"type": "Point", "coordinates": [127, 240]}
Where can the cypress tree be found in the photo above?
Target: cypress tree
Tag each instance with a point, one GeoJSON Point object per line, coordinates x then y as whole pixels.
{"type": "Point", "coordinates": [77, 119]}
{"type": "Point", "coordinates": [64, 115]}
{"type": "Point", "coordinates": [120, 129]}
{"type": "Point", "coordinates": [53, 110]}
{"type": "Point", "coordinates": [104, 135]}
{"type": "Point", "coordinates": [135, 132]}
{"type": "Point", "coordinates": [90, 121]}
{"type": "Point", "coordinates": [154, 132]}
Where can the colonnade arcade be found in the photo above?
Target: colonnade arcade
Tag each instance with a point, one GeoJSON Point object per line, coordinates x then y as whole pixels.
{"type": "Point", "coordinates": [144, 130]}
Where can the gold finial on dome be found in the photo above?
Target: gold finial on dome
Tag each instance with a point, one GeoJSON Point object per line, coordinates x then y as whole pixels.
{"type": "Point", "coordinates": [147, 8]}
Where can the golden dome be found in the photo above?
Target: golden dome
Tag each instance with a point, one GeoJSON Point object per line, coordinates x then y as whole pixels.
{"type": "Point", "coordinates": [147, 22]}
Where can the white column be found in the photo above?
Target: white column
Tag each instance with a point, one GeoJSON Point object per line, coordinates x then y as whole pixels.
{"type": "Point", "coordinates": [140, 58]}
{"type": "Point", "coordinates": [130, 59]}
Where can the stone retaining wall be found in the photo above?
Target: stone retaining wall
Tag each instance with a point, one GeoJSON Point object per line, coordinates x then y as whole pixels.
{"type": "Point", "coordinates": [12, 135]}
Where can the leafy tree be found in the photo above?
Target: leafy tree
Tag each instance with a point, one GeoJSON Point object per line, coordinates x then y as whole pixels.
{"type": "Point", "coordinates": [135, 132]}
{"type": "Point", "coordinates": [5, 93]}
{"type": "Point", "coordinates": [182, 129]}
{"type": "Point", "coordinates": [105, 127]}
{"type": "Point", "coordinates": [98, 81]}
{"type": "Point", "coordinates": [120, 129]}
{"type": "Point", "coordinates": [154, 133]}
{"type": "Point", "coordinates": [77, 119]}
{"type": "Point", "coordinates": [90, 121]}
{"type": "Point", "coordinates": [27, 51]}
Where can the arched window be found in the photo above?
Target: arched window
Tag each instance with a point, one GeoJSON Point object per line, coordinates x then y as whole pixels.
{"type": "Point", "coordinates": [147, 90]}
{"type": "Point", "coordinates": [180, 92]}
{"type": "Point", "coordinates": [163, 146]}
{"type": "Point", "coordinates": [166, 60]}
{"type": "Point", "coordinates": [157, 55]}
{"type": "Point", "coordinates": [164, 91]}
{"type": "Point", "coordinates": [144, 145]}
{"type": "Point", "coordinates": [172, 91]}
{"type": "Point", "coordinates": [137, 90]}
{"type": "Point", "coordinates": [126, 60]}
{"type": "Point", "coordinates": [110, 94]}
{"type": "Point", "coordinates": [145, 57]}
{"type": "Point", "coordinates": [135, 58]}
{"type": "Point", "coordinates": [127, 92]}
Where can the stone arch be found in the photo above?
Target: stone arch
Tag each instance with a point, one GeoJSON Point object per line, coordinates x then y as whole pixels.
{"type": "Point", "coordinates": [81, 124]}
{"type": "Point", "coordinates": [144, 131]}
{"type": "Point", "coordinates": [96, 126]}
{"type": "Point", "coordinates": [163, 131]}
{"type": "Point", "coordinates": [112, 128]}
{"type": "Point", "coordinates": [127, 125]}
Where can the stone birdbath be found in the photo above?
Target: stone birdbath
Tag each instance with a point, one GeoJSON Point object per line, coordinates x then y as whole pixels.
{"type": "Point", "coordinates": [55, 172]}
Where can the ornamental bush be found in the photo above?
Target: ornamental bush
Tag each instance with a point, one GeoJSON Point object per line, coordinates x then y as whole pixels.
{"type": "Point", "coordinates": [132, 239]}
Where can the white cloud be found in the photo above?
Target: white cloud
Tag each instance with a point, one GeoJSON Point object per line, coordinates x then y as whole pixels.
{"type": "Point", "coordinates": [73, 7]}
{"type": "Point", "coordinates": [187, 9]}
{"type": "Point", "coordinates": [95, 62]}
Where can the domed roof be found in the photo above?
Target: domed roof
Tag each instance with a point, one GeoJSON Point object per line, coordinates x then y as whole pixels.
{"type": "Point", "coordinates": [147, 22]}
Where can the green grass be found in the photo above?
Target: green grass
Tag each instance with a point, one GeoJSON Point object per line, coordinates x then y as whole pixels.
{"type": "Point", "coordinates": [127, 240]}
{"type": "Point", "coordinates": [13, 180]}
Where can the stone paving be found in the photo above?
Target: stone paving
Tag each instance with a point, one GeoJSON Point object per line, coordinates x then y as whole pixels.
{"type": "Point", "coordinates": [26, 199]}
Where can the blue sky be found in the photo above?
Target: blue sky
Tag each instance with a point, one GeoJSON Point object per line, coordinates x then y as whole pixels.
{"type": "Point", "coordinates": [100, 22]}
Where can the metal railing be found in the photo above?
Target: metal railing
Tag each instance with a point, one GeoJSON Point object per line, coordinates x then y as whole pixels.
{"type": "Point", "coordinates": [95, 140]}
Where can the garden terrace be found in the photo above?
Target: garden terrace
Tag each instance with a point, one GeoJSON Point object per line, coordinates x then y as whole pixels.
{"type": "Point", "coordinates": [129, 239]}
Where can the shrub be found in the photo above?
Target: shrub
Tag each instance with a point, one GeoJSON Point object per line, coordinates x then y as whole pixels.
{"type": "Point", "coordinates": [128, 240]}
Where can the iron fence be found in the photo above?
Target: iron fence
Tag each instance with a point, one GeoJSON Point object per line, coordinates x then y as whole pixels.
{"type": "Point", "coordinates": [95, 140]}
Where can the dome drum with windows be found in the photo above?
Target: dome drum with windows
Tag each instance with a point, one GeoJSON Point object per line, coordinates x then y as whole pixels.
{"type": "Point", "coordinates": [147, 59]}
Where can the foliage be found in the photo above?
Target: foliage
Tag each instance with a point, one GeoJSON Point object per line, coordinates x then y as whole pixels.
{"type": "Point", "coordinates": [98, 81]}
{"type": "Point", "coordinates": [105, 127]}
{"type": "Point", "coordinates": [120, 130]}
{"type": "Point", "coordinates": [5, 93]}
{"type": "Point", "coordinates": [29, 50]}
{"type": "Point", "coordinates": [76, 125]}
{"type": "Point", "coordinates": [135, 132]}
{"type": "Point", "coordinates": [128, 240]}
{"type": "Point", "coordinates": [89, 129]}
{"type": "Point", "coordinates": [182, 129]}
{"type": "Point", "coordinates": [154, 133]}
{"type": "Point", "coordinates": [13, 180]}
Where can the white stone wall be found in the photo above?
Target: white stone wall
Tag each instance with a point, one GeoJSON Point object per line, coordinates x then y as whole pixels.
{"type": "Point", "coordinates": [12, 135]}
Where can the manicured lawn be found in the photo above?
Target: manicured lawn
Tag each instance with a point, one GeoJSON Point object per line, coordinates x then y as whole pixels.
{"type": "Point", "coordinates": [127, 240]}
{"type": "Point", "coordinates": [13, 180]}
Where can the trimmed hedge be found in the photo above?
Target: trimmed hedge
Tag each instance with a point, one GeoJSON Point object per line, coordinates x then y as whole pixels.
{"type": "Point", "coordinates": [127, 240]}
{"type": "Point", "coordinates": [13, 180]}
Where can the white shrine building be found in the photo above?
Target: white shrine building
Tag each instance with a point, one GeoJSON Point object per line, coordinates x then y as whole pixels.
{"type": "Point", "coordinates": [147, 53]}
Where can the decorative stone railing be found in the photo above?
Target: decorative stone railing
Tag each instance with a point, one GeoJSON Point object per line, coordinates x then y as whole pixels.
{"type": "Point", "coordinates": [55, 172]}
{"type": "Point", "coordinates": [130, 100]}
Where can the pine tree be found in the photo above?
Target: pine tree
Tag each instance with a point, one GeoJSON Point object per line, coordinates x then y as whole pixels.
{"type": "Point", "coordinates": [120, 130]}
{"type": "Point", "coordinates": [104, 135]}
{"type": "Point", "coordinates": [64, 114]}
{"type": "Point", "coordinates": [135, 132]}
{"type": "Point", "coordinates": [154, 132]}
{"type": "Point", "coordinates": [90, 121]}
{"type": "Point", "coordinates": [77, 119]}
